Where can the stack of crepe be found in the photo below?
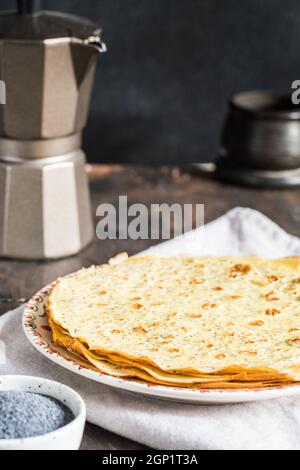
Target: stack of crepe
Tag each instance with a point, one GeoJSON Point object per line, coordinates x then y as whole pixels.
{"type": "Point", "coordinates": [209, 322]}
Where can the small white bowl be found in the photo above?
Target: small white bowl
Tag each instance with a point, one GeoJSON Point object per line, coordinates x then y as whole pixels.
{"type": "Point", "coordinates": [65, 438]}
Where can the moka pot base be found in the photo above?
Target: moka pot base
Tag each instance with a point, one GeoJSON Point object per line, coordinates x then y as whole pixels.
{"type": "Point", "coordinates": [44, 198]}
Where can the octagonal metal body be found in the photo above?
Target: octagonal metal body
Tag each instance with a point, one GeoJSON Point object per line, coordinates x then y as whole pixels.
{"type": "Point", "coordinates": [48, 87]}
{"type": "Point", "coordinates": [44, 207]}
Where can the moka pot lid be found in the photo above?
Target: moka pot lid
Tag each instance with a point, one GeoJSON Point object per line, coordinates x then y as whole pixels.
{"type": "Point", "coordinates": [29, 23]}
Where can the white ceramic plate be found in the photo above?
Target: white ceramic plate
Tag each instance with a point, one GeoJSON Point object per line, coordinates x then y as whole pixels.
{"type": "Point", "coordinates": [37, 330]}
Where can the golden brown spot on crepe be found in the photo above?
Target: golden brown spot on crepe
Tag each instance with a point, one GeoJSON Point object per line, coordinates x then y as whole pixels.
{"type": "Point", "coordinates": [196, 315]}
{"type": "Point", "coordinates": [217, 288]}
{"type": "Point", "coordinates": [233, 297]}
{"type": "Point", "coordinates": [270, 296]}
{"type": "Point", "coordinates": [290, 289]}
{"type": "Point", "coordinates": [251, 353]}
{"type": "Point", "coordinates": [172, 314]}
{"type": "Point", "coordinates": [256, 323]}
{"type": "Point", "coordinates": [209, 305]}
{"type": "Point", "coordinates": [272, 278]}
{"type": "Point", "coordinates": [196, 281]}
{"type": "Point", "coordinates": [173, 350]}
{"type": "Point", "coordinates": [293, 329]}
{"type": "Point", "coordinates": [140, 329]}
{"type": "Point", "coordinates": [103, 292]}
{"type": "Point", "coordinates": [220, 356]}
{"type": "Point", "coordinates": [269, 278]}
{"type": "Point", "coordinates": [267, 294]}
{"type": "Point", "coordinates": [101, 305]}
{"type": "Point", "coordinates": [294, 342]}
{"type": "Point", "coordinates": [137, 306]}
{"type": "Point", "coordinates": [239, 269]}
{"type": "Point", "coordinates": [258, 283]}
{"type": "Point", "coordinates": [272, 311]}
{"type": "Point", "coordinates": [116, 331]}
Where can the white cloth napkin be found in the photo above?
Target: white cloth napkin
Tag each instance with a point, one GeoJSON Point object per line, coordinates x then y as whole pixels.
{"type": "Point", "coordinates": [274, 424]}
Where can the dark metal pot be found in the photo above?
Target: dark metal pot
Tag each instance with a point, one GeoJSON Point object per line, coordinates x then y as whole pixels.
{"type": "Point", "coordinates": [262, 132]}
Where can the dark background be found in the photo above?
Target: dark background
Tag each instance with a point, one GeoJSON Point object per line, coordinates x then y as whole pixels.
{"type": "Point", "coordinates": [161, 90]}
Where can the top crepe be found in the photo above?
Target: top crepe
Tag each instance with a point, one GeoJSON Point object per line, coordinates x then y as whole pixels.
{"type": "Point", "coordinates": [195, 317]}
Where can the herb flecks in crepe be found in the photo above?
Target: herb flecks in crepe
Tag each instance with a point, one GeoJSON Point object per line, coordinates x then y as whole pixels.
{"type": "Point", "coordinates": [209, 322]}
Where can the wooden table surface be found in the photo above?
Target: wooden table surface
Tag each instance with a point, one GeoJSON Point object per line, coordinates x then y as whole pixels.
{"type": "Point", "coordinates": [19, 280]}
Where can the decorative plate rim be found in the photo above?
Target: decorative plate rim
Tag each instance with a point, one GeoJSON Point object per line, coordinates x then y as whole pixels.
{"type": "Point", "coordinates": [35, 310]}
